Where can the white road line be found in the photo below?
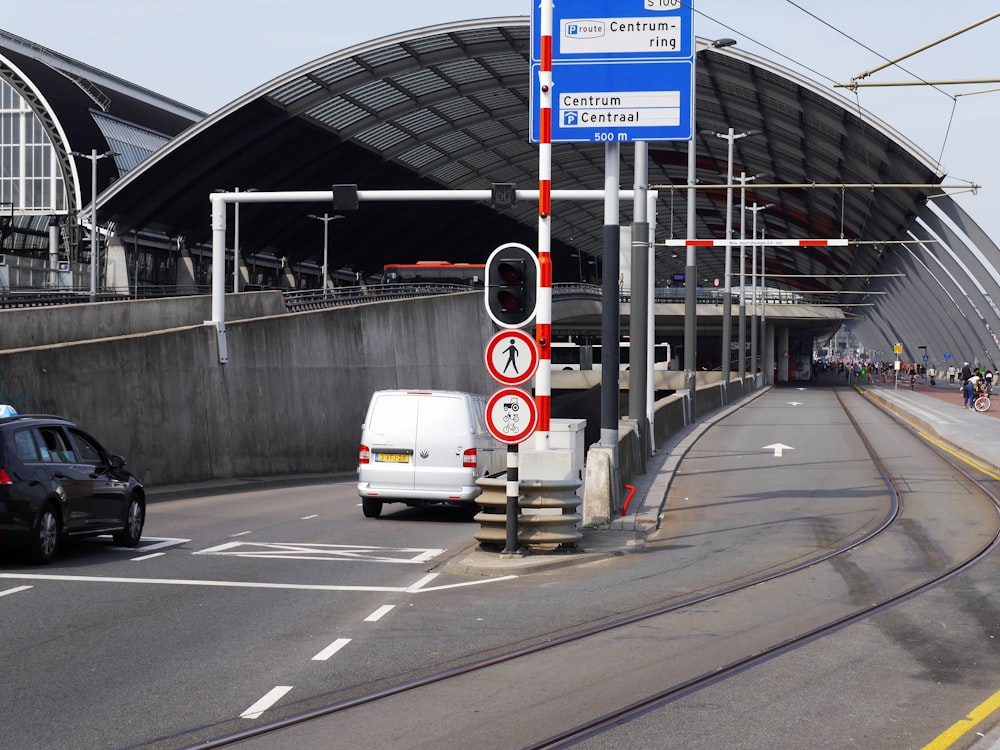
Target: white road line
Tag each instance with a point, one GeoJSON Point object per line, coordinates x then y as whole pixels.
{"type": "Point", "coordinates": [420, 584]}
{"type": "Point", "coordinates": [330, 650]}
{"type": "Point", "coordinates": [147, 557]}
{"type": "Point", "coordinates": [306, 518]}
{"type": "Point", "coordinates": [379, 613]}
{"type": "Point", "coordinates": [272, 697]}
{"type": "Point", "coordinates": [195, 582]}
{"type": "Point", "coordinates": [460, 585]}
{"type": "Point", "coordinates": [16, 590]}
{"type": "Point", "coordinates": [242, 533]}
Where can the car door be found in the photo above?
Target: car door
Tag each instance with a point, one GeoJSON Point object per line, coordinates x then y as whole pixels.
{"type": "Point", "coordinates": [60, 461]}
{"type": "Point", "coordinates": [107, 492]}
{"type": "Point", "coordinates": [390, 436]}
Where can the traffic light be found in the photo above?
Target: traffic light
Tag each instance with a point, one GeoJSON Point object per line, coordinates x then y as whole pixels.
{"type": "Point", "coordinates": [511, 285]}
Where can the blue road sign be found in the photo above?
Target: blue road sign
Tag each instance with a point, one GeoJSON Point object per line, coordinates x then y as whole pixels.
{"type": "Point", "coordinates": [618, 102]}
{"type": "Point", "coordinates": [588, 30]}
{"type": "Point", "coordinates": [947, 355]}
{"type": "Point", "coordinates": [622, 70]}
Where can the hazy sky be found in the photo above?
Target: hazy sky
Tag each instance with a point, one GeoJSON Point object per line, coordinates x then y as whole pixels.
{"type": "Point", "coordinates": [206, 53]}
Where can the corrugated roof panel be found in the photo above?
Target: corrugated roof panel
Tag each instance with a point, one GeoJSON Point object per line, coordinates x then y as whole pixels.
{"type": "Point", "coordinates": [419, 157]}
{"type": "Point", "coordinates": [434, 43]}
{"type": "Point", "coordinates": [421, 82]}
{"type": "Point", "coordinates": [465, 71]}
{"type": "Point", "coordinates": [459, 108]}
{"type": "Point", "coordinates": [297, 89]}
{"type": "Point", "coordinates": [338, 113]}
{"type": "Point", "coordinates": [421, 121]}
{"type": "Point", "coordinates": [384, 55]}
{"type": "Point", "coordinates": [452, 173]}
{"type": "Point", "coordinates": [378, 95]}
{"type": "Point", "coordinates": [385, 135]}
{"type": "Point", "coordinates": [454, 141]}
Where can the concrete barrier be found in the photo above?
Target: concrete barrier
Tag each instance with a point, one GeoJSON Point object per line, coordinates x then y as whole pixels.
{"type": "Point", "coordinates": [290, 400]}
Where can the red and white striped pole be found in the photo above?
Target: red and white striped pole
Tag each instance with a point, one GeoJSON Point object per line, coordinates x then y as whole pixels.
{"type": "Point", "coordinates": [543, 309]}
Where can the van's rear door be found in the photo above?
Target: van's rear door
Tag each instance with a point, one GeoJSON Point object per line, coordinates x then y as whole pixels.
{"type": "Point", "coordinates": [392, 428]}
{"type": "Point", "coordinates": [443, 435]}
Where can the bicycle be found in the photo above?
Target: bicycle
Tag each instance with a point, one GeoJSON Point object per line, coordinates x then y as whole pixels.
{"type": "Point", "coordinates": [982, 402]}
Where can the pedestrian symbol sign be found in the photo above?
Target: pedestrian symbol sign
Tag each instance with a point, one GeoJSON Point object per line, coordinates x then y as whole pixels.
{"type": "Point", "coordinates": [511, 415]}
{"type": "Point", "coordinates": [512, 357]}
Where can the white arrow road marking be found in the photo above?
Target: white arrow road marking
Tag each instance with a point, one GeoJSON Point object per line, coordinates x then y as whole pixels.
{"type": "Point", "coordinates": [778, 448]}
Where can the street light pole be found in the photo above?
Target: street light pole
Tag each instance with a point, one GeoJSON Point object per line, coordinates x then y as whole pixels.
{"type": "Point", "coordinates": [725, 361]}
{"type": "Point", "coordinates": [753, 287]}
{"type": "Point", "coordinates": [94, 157]}
{"type": "Point", "coordinates": [326, 219]}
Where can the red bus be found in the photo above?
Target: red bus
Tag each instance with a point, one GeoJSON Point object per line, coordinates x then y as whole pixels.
{"type": "Point", "coordinates": [435, 272]}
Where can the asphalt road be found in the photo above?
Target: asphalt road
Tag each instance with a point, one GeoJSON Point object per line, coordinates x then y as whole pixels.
{"type": "Point", "coordinates": [246, 608]}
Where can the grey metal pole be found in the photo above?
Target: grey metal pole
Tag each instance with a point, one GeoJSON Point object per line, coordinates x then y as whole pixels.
{"type": "Point", "coordinates": [236, 244]}
{"type": "Point", "coordinates": [610, 304]}
{"type": "Point", "coordinates": [753, 291]}
{"type": "Point", "coordinates": [727, 317]}
{"type": "Point", "coordinates": [742, 335]}
{"type": "Point", "coordinates": [639, 332]}
{"type": "Point", "coordinates": [691, 271]}
{"type": "Point", "coordinates": [93, 224]}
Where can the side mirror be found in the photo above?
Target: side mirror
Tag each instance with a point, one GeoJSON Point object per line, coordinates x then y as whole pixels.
{"type": "Point", "coordinates": [118, 462]}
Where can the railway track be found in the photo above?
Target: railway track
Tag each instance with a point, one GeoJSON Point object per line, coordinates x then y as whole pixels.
{"type": "Point", "coordinates": [528, 697]}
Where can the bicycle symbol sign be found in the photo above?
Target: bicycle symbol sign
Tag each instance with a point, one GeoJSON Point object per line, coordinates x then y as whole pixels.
{"type": "Point", "coordinates": [511, 415]}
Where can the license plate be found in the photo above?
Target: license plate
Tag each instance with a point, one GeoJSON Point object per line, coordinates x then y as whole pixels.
{"type": "Point", "coordinates": [393, 458]}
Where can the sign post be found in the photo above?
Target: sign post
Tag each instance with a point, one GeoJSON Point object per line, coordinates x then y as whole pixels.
{"type": "Point", "coordinates": [511, 416]}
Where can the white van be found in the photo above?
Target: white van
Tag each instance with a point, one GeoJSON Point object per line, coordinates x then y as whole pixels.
{"type": "Point", "coordinates": [423, 447]}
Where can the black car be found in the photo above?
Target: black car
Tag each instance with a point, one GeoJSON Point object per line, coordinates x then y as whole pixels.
{"type": "Point", "coordinates": [56, 481]}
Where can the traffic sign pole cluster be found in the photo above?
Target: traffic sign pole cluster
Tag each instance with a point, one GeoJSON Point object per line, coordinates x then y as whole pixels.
{"type": "Point", "coordinates": [512, 358]}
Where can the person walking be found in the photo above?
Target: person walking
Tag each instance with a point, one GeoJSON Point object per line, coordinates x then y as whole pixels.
{"type": "Point", "coordinates": [951, 373]}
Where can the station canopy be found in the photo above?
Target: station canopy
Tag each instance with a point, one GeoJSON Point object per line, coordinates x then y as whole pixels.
{"type": "Point", "coordinates": [447, 107]}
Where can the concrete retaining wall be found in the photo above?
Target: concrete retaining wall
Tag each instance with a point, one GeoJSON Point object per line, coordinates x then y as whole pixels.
{"type": "Point", "coordinates": [57, 324]}
{"type": "Point", "coordinates": [290, 400]}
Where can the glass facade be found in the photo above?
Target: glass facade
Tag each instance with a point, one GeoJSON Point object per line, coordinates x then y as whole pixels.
{"type": "Point", "coordinates": [30, 176]}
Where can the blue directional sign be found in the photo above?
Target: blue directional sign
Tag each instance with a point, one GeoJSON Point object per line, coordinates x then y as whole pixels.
{"type": "Point", "coordinates": [588, 30]}
{"type": "Point", "coordinates": [617, 102]}
{"type": "Point", "coordinates": [622, 70]}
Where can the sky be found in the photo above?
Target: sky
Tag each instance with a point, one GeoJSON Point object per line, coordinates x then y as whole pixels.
{"type": "Point", "coordinates": [206, 53]}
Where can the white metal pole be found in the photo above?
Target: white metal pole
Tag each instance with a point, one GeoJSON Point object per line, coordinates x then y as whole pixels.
{"type": "Point", "coordinates": [236, 245]}
{"type": "Point", "coordinates": [93, 224]}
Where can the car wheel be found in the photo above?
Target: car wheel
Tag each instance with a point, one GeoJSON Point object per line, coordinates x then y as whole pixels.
{"type": "Point", "coordinates": [134, 520]}
{"type": "Point", "coordinates": [371, 507]}
{"type": "Point", "coordinates": [45, 539]}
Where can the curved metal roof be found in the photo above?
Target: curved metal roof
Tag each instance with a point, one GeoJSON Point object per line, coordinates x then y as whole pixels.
{"type": "Point", "coordinates": [447, 106]}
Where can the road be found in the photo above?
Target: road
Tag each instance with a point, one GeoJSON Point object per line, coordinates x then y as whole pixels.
{"type": "Point", "coordinates": [247, 608]}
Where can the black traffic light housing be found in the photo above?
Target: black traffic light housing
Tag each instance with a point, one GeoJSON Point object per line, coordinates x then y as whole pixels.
{"type": "Point", "coordinates": [511, 285]}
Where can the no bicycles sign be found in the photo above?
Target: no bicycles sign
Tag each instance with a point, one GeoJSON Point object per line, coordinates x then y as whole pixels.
{"type": "Point", "coordinates": [511, 415]}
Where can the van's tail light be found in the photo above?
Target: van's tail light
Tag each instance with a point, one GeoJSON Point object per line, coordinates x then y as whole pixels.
{"type": "Point", "coordinates": [5, 477]}
{"type": "Point", "coordinates": [469, 459]}
{"type": "Point", "coordinates": [364, 455]}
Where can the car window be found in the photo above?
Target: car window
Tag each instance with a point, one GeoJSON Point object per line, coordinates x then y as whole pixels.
{"type": "Point", "coordinates": [25, 446]}
{"type": "Point", "coordinates": [88, 450]}
{"type": "Point", "coordinates": [55, 446]}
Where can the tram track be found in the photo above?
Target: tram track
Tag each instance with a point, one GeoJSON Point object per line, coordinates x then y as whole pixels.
{"type": "Point", "coordinates": [625, 627]}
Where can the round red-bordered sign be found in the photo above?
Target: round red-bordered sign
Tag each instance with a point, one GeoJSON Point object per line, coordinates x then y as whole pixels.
{"type": "Point", "coordinates": [511, 415]}
{"type": "Point", "coordinates": [512, 357]}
